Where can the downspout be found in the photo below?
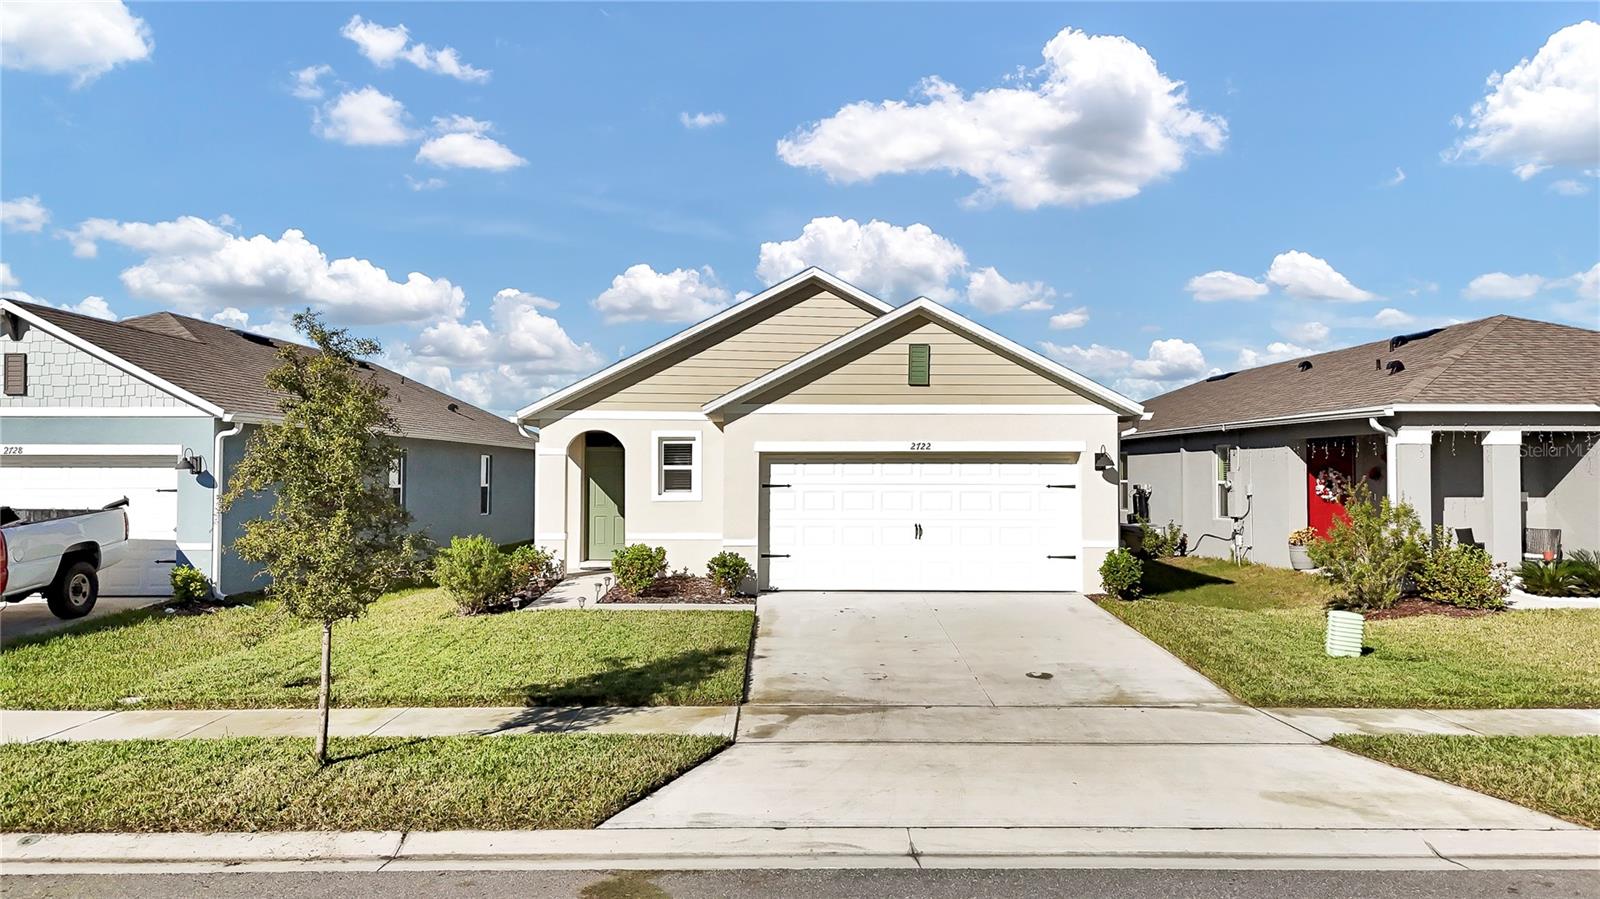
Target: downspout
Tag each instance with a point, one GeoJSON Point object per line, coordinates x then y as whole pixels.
{"type": "Point", "coordinates": [1391, 482]}
{"type": "Point", "coordinates": [533, 519]}
{"type": "Point", "coordinates": [216, 505]}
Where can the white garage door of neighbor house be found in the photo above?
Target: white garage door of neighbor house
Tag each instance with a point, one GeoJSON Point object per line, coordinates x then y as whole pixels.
{"type": "Point", "coordinates": [152, 493]}
{"type": "Point", "coordinates": [898, 523]}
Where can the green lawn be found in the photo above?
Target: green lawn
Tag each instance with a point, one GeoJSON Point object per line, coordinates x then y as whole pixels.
{"type": "Point", "coordinates": [1258, 633]}
{"type": "Point", "coordinates": [378, 783]}
{"type": "Point", "coordinates": [410, 649]}
{"type": "Point", "coordinates": [1556, 775]}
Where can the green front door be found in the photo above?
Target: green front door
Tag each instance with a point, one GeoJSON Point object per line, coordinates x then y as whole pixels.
{"type": "Point", "coordinates": [604, 504]}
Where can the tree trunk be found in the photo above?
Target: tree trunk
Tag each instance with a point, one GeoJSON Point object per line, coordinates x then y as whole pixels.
{"type": "Point", "coordinates": [323, 693]}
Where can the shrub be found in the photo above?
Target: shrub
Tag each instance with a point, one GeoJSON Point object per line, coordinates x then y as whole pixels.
{"type": "Point", "coordinates": [476, 574]}
{"type": "Point", "coordinates": [1461, 575]}
{"type": "Point", "coordinates": [414, 565]}
{"type": "Point", "coordinates": [1550, 578]}
{"type": "Point", "coordinates": [189, 585]}
{"type": "Point", "coordinates": [1120, 573]}
{"type": "Point", "coordinates": [1160, 543]}
{"type": "Point", "coordinates": [728, 570]}
{"type": "Point", "coordinates": [1586, 565]}
{"type": "Point", "coordinates": [534, 569]}
{"type": "Point", "coordinates": [1368, 557]}
{"type": "Point", "coordinates": [636, 566]}
{"type": "Point", "coordinates": [1302, 537]}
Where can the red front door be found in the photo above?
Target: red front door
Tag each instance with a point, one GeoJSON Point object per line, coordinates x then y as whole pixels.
{"type": "Point", "coordinates": [1330, 474]}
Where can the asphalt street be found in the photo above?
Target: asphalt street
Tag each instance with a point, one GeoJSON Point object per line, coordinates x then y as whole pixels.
{"type": "Point", "coordinates": [824, 884]}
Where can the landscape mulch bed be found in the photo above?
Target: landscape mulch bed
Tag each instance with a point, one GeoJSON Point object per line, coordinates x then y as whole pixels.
{"type": "Point", "coordinates": [1411, 607]}
{"type": "Point", "coordinates": [674, 588]}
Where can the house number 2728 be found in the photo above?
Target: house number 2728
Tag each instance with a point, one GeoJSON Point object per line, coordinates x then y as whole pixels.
{"type": "Point", "coordinates": [921, 445]}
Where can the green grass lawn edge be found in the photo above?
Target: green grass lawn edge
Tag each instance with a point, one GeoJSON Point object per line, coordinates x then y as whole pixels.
{"type": "Point", "coordinates": [261, 784]}
{"type": "Point", "coordinates": [1559, 776]}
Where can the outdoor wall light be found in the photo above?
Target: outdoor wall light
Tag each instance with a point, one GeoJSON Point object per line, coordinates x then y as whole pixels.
{"type": "Point", "coordinates": [1103, 460]}
{"type": "Point", "coordinates": [190, 462]}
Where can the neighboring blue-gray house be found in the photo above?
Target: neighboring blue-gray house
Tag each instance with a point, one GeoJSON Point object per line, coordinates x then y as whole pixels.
{"type": "Point", "coordinates": [158, 409]}
{"type": "Point", "coordinates": [1489, 428]}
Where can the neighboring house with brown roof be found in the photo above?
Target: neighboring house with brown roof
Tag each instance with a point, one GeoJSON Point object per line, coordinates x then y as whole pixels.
{"type": "Point", "coordinates": [94, 410]}
{"type": "Point", "coordinates": [1488, 428]}
{"type": "Point", "coordinates": [837, 442]}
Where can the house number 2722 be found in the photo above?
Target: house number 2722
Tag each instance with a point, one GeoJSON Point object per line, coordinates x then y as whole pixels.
{"type": "Point", "coordinates": [921, 445]}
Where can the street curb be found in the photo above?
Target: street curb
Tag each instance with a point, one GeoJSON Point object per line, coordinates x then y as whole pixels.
{"type": "Point", "coordinates": [872, 847]}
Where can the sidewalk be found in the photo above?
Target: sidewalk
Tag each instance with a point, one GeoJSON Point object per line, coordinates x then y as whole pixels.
{"type": "Point", "coordinates": [875, 847]}
{"type": "Point", "coordinates": [18, 726]}
{"type": "Point", "coordinates": [1324, 723]}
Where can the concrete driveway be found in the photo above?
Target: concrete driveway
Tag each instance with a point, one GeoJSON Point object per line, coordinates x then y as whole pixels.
{"type": "Point", "coordinates": [1020, 710]}
{"type": "Point", "coordinates": [32, 616]}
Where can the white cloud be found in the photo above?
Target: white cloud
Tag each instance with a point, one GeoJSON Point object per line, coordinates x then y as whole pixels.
{"type": "Point", "coordinates": [422, 184]}
{"type": "Point", "coordinates": [92, 306]}
{"type": "Point", "coordinates": [1397, 179]}
{"type": "Point", "coordinates": [880, 258]}
{"type": "Point", "coordinates": [197, 265]}
{"type": "Point", "coordinates": [1219, 285]}
{"type": "Point", "coordinates": [698, 120]}
{"type": "Point", "coordinates": [279, 323]}
{"type": "Point", "coordinates": [680, 295]}
{"type": "Point", "coordinates": [462, 144]}
{"type": "Point", "coordinates": [1569, 187]}
{"type": "Point", "coordinates": [988, 290]}
{"type": "Point", "coordinates": [1308, 332]}
{"type": "Point", "coordinates": [383, 45]}
{"type": "Point", "coordinates": [1544, 112]}
{"type": "Point", "coordinates": [308, 82]}
{"type": "Point", "coordinates": [1501, 286]}
{"type": "Point", "coordinates": [1585, 284]}
{"type": "Point", "coordinates": [1393, 318]}
{"type": "Point", "coordinates": [365, 117]}
{"type": "Point", "coordinates": [1304, 276]}
{"type": "Point", "coordinates": [1100, 124]}
{"type": "Point", "coordinates": [24, 214]}
{"type": "Point", "coordinates": [1167, 364]}
{"type": "Point", "coordinates": [1072, 318]}
{"type": "Point", "coordinates": [8, 281]}
{"type": "Point", "coordinates": [81, 39]}
{"type": "Point", "coordinates": [1277, 351]}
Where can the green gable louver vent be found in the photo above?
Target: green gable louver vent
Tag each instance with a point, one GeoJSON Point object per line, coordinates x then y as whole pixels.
{"type": "Point", "coordinates": [919, 364]}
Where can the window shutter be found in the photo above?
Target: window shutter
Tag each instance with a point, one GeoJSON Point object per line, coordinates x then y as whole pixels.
{"type": "Point", "coordinates": [919, 365]}
{"type": "Point", "coordinates": [16, 374]}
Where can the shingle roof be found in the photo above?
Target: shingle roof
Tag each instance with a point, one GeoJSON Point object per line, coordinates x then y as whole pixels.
{"type": "Point", "coordinates": [228, 368]}
{"type": "Point", "coordinates": [1498, 360]}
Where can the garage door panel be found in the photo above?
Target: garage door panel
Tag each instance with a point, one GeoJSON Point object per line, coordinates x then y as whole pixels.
{"type": "Point", "coordinates": [988, 524]}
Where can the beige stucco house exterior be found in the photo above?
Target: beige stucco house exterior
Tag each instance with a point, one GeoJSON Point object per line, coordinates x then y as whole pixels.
{"type": "Point", "coordinates": [837, 443]}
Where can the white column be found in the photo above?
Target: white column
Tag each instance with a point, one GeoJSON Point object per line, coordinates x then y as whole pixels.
{"type": "Point", "coordinates": [1411, 471]}
{"type": "Point", "coordinates": [1502, 495]}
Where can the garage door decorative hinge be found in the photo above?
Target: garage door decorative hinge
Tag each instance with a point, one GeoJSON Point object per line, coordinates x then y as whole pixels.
{"type": "Point", "coordinates": [1060, 557]}
{"type": "Point", "coordinates": [776, 485]}
{"type": "Point", "coordinates": [1061, 486]}
{"type": "Point", "coordinates": [774, 555]}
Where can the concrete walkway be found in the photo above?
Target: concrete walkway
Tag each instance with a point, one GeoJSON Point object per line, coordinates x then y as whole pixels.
{"type": "Point", "coordinates": [27, 726]}
{"type": "Point", "coordinates": [1021, 711]}
{"type": "Point", "coordinates": [1324, 723]}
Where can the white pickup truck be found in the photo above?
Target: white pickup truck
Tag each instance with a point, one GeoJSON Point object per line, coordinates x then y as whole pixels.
{"type": "Point", "coordinates": [60, 553]}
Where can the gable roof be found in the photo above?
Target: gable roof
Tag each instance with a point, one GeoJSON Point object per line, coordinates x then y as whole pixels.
{"type": "Point", "coordinates": [223, 371]}
{"type": "Point", "coordinates": [1501, 361]}
{"type": "Point", "coordinates": [926, 308]}
{"type": "Point", "coordinates": [727, 316]}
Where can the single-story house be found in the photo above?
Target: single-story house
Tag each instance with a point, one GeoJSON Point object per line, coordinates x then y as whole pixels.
{"type": "Point", "coordinates": [837, 443]}
{"type": "Point", "coordinates": [1488, 428]}
{"type": "Point", "coordinates": [158, 409]}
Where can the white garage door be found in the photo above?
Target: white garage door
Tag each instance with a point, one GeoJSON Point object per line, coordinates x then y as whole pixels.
{"type": "Point", "coordinates": [919, 523]}
{"type": "Point", "coordinates": [152, 494]}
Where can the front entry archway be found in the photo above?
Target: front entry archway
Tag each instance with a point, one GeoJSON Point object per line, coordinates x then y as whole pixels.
{"type": "Point", "coordinates": [604, 496]}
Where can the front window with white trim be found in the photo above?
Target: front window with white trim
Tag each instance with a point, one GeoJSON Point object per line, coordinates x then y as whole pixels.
{"type": "Point", "coordinates": [397, 479]}
{"type": "Point", "coordinates": [677, 464]}
{"type": "Point", "coordinates": [1224, 478]}
{"type": "Point", "coordinates": [485, 483]}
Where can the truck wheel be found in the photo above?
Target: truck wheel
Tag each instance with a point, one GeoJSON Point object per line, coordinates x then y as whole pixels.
{"type": "Point", "coordinates": [74, 591]}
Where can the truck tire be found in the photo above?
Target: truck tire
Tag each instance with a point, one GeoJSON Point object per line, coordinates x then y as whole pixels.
{"type": "Point", "coordinates": [74, 591]}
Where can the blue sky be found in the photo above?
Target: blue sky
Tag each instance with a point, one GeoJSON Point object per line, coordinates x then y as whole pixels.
{"type": "Point", "coordinates": [1149, 193]}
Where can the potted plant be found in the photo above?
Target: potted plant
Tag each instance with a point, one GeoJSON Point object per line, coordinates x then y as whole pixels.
{"type": "Point", "coordinates": [1299, 554]}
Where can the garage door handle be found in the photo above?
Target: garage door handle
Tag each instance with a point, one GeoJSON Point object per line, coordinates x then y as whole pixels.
{"type": "Point", "coordinates": [1060, 557]}
{"type": "Point", "coordinates": [774, 555]}
{"type": "Point", "coordinates": [1061, 486]}
{"type": "Point", "coordinates": [776, 485]}
{"type": "Point", "coordinates": [166, 490]}
{"type": "Point", "coordinates": [918, 531]}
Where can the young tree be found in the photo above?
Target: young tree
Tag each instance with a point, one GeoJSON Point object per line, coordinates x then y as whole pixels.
{"type": "Point", "coordinates": [335, 536]}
